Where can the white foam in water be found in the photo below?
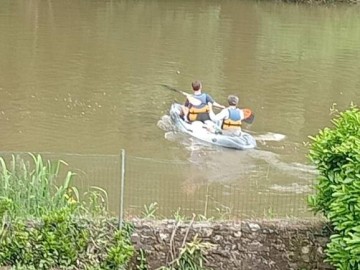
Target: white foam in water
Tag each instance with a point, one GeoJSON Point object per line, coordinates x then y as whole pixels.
{"type": "Point", "coordinates": [293, 188]}
{"type": "Point", "coordinates": [170, 136]}
{"type": "Point", "coordinates": [165, 123]}
{"type": "Point", "coordinates": [270, 137]}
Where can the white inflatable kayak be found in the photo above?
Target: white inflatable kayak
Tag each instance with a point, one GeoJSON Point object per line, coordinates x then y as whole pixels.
{"type": "Point", "coordinates": [197, 130]}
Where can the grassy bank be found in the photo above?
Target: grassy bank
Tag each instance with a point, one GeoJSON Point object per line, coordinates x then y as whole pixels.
{"type": "Point", "coordinates": [45, 225]}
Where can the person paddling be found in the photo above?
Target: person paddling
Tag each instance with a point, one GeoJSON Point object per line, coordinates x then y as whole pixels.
{"type": "Point", "coordinates": [230, 118]}
{"type": "Point", "coordinates": [199, 112]}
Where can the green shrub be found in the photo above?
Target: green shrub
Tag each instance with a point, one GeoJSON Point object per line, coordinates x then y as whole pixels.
{"type": "Point", "coordinates": [62, 240]}
{"type": "Point", "coordinates": [336, 154]}
{"type": "Point", "coordinates": [56, 240]}
{"type": "Point", "coordinates": [192, 255]}
{"type": "Point", "coordinates": [120, 254]}
{"type": "Point", "coordinates": [44, 224]}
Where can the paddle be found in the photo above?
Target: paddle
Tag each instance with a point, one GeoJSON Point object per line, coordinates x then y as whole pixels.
{"type": "Point", "coordinates": [194, 101]}
{"type": "Point", "coordinates": [249, 116]}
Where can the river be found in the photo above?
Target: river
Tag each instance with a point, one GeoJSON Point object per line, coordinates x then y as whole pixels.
{"type": "Point", "coordinates": [81, 80]}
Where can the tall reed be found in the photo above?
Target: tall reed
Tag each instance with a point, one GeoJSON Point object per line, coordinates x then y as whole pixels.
{"type": "Point", "coordinates": [30, 187]}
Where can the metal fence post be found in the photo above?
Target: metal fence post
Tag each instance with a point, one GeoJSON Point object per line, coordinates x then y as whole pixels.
{"type": "Point", "coordinates": [121, 212]}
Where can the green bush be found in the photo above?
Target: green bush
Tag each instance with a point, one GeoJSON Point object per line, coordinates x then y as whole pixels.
{"type": "Point", "coordinates": [44, 225]}
{"type": "Point", "coordinates": [55, 241]}
{"type": "Point", "coordinates": [336, 154]}
{"type": "Point", "coordinates": [120, 253]}
{"type": "Point", "coordinates": [61, 240]}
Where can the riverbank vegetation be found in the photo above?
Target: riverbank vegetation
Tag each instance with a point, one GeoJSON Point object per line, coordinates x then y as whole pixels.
{"type": "Point", "coordinates": [336, 154]}
{"type": "Point", "coordinates": [45, 224]}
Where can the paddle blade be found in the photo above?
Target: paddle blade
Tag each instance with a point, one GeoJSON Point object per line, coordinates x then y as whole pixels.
{"type": "Point", "coordinates": [194, 101]}
{"type": "Point", "coordinates": [249, 116]}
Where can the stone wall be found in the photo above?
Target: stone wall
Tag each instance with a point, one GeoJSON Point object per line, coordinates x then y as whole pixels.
{"type": "Point", "coordinates": [271, 244]}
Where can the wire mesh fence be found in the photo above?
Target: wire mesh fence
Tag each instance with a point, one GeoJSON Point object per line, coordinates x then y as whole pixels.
{"type": "Point", "coordinates": [183, 188]}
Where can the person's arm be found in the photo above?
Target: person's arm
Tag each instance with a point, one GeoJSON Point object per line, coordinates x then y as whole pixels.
{"type": "Point", "coordinates": [217, 117]}
{"type": "Point", "coordinates": [186, 104]}
{"type": "Point", "coordinates": [211, 113]}
{"type": "Point", "coordinates": [209, 99]}
{"type": "Point", "coordinates": [219, 105]}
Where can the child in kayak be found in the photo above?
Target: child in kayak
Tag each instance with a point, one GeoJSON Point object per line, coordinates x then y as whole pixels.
{"type": "Point", "coordinates": [198, 112]}
{"type": "Point", "coordinates": [230, 118]}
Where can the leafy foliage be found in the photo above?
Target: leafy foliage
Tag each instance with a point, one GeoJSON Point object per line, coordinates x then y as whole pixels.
{"type": "Point", "coordinates": [55, 242]}
{"type": "Point", "coordinates": [192, 255]}
{"type": "Point", "coordinates": [149, 211]}
{"type": "Point", "coordinates": [120, 253]}
{"type": "Point", "coordinates": [46, 226]}
{"type": "Point", "coordinates": [62, 240]}
{"type": "Point", "coordinates": [336, 154]}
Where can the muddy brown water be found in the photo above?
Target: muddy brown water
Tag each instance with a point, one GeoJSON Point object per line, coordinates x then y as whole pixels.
{"type": "Point", "coordinates": [80, 80]}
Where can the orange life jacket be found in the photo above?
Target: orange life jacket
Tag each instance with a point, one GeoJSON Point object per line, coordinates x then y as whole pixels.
{"type": "Point", "coordinates": [194, 111]}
